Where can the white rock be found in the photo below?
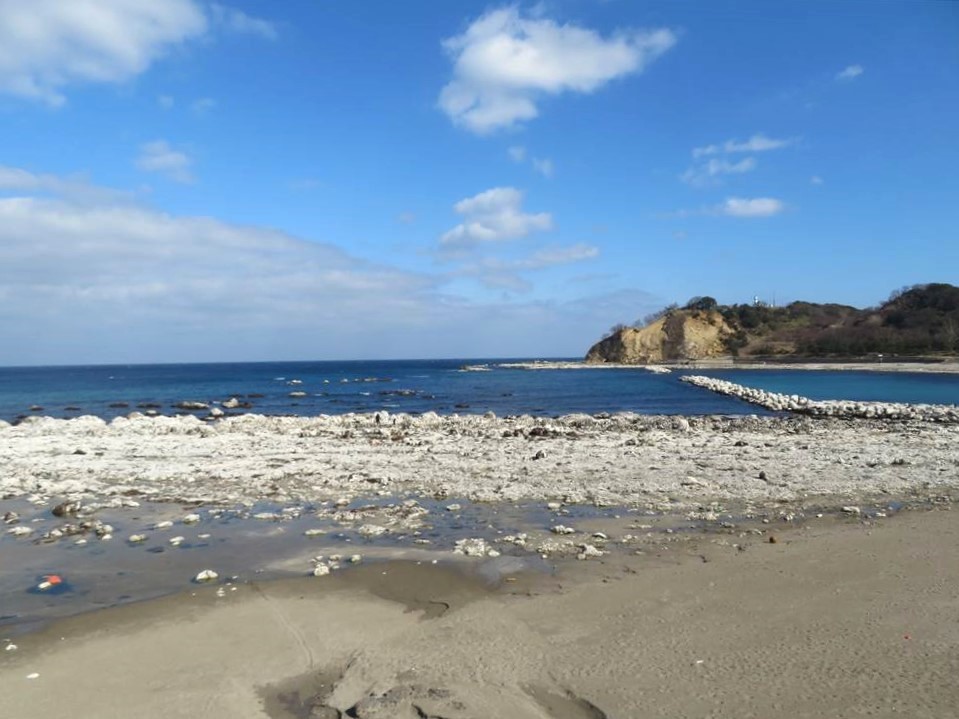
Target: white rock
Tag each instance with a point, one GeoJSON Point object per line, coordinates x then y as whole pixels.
{"type": "Point", "coordinates": [314, 532]}
{"type": "Point", "coordinates": [321, 570]}
{"type": "Point", "coordinates": [453, 507]}
{"type": "Point", "coordinates": [191, 519]}
{"type": "Point", "coordinates": [471, 547]}
{"type": "Point", "coordinates": [589, 551]}
{"type": "Point", "coordinates": [852, 510]}
{"type": "Point", "coordinates": [136, 538]}
{"type": "Point", "coordinates": [177, 541]}
{"type": "Point", "coordinates": [19, 531]}
{"type": "Point", "coordinates": [554, 506]}
{"type": "Point", "coordinates": [207, 575]}
{"type": "Point", "coordinates": [356, 559]}
{"type": "Point", "coordinates": [163, 525]}
{"type": "Point", "coordinates": [562, 529]}
{"type": "Point", "coordinates": [372, 530]}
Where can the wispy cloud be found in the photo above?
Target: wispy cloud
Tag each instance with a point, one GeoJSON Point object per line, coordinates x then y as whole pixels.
{"type": "Point", "coordinates": [517, 153]}
{"type": "Point", "coordinates": [239, 22]}
{"type": "Point", "coordinates": [166, 101]}
{"type": "Point", "coordinates": [815, 180]}
{"type": "Point", "coordinates": [756, 143]}
{"type": "Point", "coordinates": [544, 166]}
{"type": "Point", "coordinates": [89, 275]}
{"type": "Point", "coordinates": [76, 188]}
{"type": "Point", "coordinates": [203, 105]}
{"type": "Point", "coordinates": [743, 207]}
{"type": "Point", "coordinates": [851, 72]}
{"type": "Point", "coordinates": [494, 216]}
{"type": "Point", "coordinates": [709, 172]}
{"type": "Point", "coordinates": [505, 62]}
{"type": "Point", "coordinates": [158, 156]}
{"type": "Point", "coordinates": [751, 207]}
{"type": "Point", "coordinates": [541, 165]}
{"type": "Point", "coordinates": [500, 273]}
{"type": "Point", "coordinates": [46, 45]}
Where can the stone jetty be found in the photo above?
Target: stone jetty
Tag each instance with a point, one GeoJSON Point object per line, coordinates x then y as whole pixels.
{"type": "Point", "coordinates": [842, 409]}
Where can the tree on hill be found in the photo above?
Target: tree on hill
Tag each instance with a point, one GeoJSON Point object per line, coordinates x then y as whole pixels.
{"type": "Point", "coordinates": [704, 304]}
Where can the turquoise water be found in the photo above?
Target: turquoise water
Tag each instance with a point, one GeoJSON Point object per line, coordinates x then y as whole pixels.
{"type": "Point", "coordinates": [428, 385]}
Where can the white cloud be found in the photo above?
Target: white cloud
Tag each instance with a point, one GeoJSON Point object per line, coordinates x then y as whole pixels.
{"type": "Point", "coordinates": [106, 266]}
{"type": "Point", "coordinates": [239, 22]}
{"type": "Point", "coordinates": [494, 216]}
{"type": "Point", "coordinates": [815, 180]}
{"type": "Point", "coordinates": [547, 257]}
{"type": "Point", "coordinates": [75, 188]}
{"type": "Point", "coordinates": [850, 73]}
{"type": "Point", "coordinates": [166, 101]}
{"type": "Point", "coordinates": [203, 105]}
{"type": "Point", "coordinates": [105, 281]}
{"type": "Point", "coordinates": [756, 143]}
{"type": "Point", "coordinates": [504, 63]}
{"type": "Point", "coordinates": [543, 166]}
{"type": "Point", "coordinates": [46, 45]}
{"type": "Point", "coordinates": [505, 273]}
{"type": "Point", "coordinates": [754, 207]}
{"type": "Point", "coordinates": [517, 153]}
{"type": "Point", "coordinates": [709, 172]}
{"type": "Point", "coordinates": [159, 156]}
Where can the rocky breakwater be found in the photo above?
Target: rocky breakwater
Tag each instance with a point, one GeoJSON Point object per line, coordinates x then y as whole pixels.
{"type": "Point", "coordinates": [842, 409]}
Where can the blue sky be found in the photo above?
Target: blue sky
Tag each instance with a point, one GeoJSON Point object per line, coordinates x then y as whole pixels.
{"type": "Point", "coordinates": [315, 179]}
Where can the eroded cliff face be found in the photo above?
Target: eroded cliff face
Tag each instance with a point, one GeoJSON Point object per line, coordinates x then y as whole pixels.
{"type": "Point", "coordinates": [680, 335]}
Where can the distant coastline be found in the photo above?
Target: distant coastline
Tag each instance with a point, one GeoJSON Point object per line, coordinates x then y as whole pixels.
{"type": "Point", "coordinates": [945, 366]}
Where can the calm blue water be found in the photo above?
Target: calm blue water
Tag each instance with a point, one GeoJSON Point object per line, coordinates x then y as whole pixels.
{"type": "Point", "coordinates": [424, 385]}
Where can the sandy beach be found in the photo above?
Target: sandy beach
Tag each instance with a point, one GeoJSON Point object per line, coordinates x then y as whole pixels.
{"type": "Point", "coordinates": [843, 619]}
{"type": "Point", "coordinates": [733, 566]}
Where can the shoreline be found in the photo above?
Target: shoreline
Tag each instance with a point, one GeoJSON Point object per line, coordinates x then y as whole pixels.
{"type": "Point", "coordinates": [947, 366]}
{"type": "Point", "coordinates": [474, 566]}
{"type": "Point", "coordinates": [715, 622]}
{"type": "Point", "coordinates": [644, 461]}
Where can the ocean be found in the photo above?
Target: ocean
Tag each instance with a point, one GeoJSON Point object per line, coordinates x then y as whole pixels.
{"type": "Point", "coordinates": [416, 386]}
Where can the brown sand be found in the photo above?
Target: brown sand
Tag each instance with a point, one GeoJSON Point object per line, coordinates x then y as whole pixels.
{"type": "Point", "coordinates": [836, 621]}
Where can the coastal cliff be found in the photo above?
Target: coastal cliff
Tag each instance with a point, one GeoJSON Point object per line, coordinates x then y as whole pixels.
{"type": "Point", "coordinates": [920, 321]}
{"type": "Point", "coordinates": [677, 335]}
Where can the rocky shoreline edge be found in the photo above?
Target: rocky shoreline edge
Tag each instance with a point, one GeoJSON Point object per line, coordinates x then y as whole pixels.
{"type": "Point", "coordinates": [847, 409]}
{"type": "Point", "coordinates": [629, 459]}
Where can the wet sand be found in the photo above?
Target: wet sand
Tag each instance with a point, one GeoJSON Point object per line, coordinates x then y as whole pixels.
{"type": "Point", "coordinates": [839, 619]}
{"type": "Point", "coordinates": [567, 568]}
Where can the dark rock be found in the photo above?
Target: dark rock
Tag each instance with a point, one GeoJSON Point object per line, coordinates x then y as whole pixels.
{"type": "Point", "coordinates": [65, 509]}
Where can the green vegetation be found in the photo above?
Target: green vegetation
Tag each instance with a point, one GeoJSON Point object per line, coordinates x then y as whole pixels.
{"type": "Point", "coordinates": [918, 320]}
